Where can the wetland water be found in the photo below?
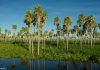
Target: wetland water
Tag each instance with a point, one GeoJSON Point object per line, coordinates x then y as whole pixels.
{"type": "Point", "coordinates": [41, 64]}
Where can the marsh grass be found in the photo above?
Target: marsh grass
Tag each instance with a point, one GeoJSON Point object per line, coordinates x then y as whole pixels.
{"type": "Point", "coordinates": [19, 49]}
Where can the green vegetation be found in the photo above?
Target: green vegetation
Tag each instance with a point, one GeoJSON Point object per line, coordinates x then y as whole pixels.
{"type": "Point", "coordinates": [9, 50]}
{"type": "Point", "coordinates": [19, 49]}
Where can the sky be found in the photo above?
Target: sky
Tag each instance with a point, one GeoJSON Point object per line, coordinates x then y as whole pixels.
{"type": "Point", "coordinates": [13, 11]}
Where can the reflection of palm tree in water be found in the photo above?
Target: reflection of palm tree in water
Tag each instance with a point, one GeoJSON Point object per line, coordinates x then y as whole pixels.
{"type": "Point", "coordinates": [13, 65]}
{"type": "Point", "coordinates": [28, 64]}
{"type": "Point", "coordinates": [43, 64]}
{"type": "Point", "coordinates": [86, 66]}
{"type": "Point", "coordinates": [58, 66]}
{"type": "Point", "coordinates": [38, 64]}
{"type": "Point", "coordinates": [66, 66]}
{"type": "Point", "coordinates": [75, 64]}
{"type": "Point", "coordinates": [31, 65]}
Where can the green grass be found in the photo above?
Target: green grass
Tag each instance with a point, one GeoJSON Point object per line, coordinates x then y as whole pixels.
{"type": "Point", "coordinates": [10, 49]}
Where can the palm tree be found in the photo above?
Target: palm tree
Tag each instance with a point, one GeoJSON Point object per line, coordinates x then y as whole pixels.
{"type": "Point", "coordinates": [45, 35]}
{"type": "Point", "coordinates": [66, 25]}
{"type": "Point", "coordinates": [50, 36]}
{"type": "Point", "coordinates": [24, 30]}
{"type": "Point", "coordinates": [37, 13]}
{"type": "Point", "coordinates": [94, 26]}
{"type": "Point", "coordinates": [9, 32]}
{"type": "Point", "coordinates": [90, 22]}
{"type": "Point", "coordinates": [6, 32]}
{"type": "Point", "coordinates": [75, 30]}
{"type": "Point", "coordinates": [81, 21]}
{"type": "Point", "coordinates": [40, 19]}
{"type": "Point", "coordinates": [43, 20]}
{"type": "Point", "coordinates": [14, 27]}
{"type": "Point", "coordinates": [57, 23]}
{"type": "Point", "coordinates": [52, 32]}
{"type": "Point", "coordinates": [28, 20]}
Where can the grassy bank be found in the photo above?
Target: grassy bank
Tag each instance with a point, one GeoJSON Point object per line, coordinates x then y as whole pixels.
{"type": "Point", "coordinates": [19, 49]}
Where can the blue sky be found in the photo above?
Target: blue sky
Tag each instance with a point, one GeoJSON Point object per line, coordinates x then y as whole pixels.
{"type": "Point", "coordinates": [13, 11]}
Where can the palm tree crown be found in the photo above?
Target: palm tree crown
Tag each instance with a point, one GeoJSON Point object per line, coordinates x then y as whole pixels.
{"type": "Point", "coordinates": [81, 20]}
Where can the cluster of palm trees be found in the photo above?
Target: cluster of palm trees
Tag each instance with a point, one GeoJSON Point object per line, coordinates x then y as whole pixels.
{"type": "Point", "coordinates": [34, 18]}
{"type": "Point", "coordinates": [86, 26]}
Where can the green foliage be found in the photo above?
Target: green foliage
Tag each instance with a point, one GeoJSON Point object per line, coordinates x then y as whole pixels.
{"type": "Point", "coordinates": [14, 27]}
{"type": "Point", "coordinates": [10, 49]}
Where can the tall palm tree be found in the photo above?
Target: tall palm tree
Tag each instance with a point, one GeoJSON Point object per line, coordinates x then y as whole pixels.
{"type": "Point", "coordinates": [6, 32]}
{"type": "Point", "coordinates": [75, 30]}
{"type": "Point", "coordinates": [52, 32]}
{"type": "Point", "coordinates": [9, 32]}
{"type": "Point", "coordinates": [81, 21]}
{"type": "Point", "coordinates": [14, 27]}
{"type": "Point", "coordinates": [39, 15]}
{"type": "Point", "coordinates": [90, 22]}
{"type": "Point", "coordinates": [28, 20]}
{"type": "Point", "coordinates": [66, 25]}
{"type": "Point", "coordinates": [43, 21]}
{"type": "Point", "coordinates": [57, 23]}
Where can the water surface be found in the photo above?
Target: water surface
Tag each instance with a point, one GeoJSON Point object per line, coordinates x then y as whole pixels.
{"type": "Point", "coordinates": [42, 64]}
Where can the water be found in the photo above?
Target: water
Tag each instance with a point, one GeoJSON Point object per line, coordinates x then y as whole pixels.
{"type": "Point", "coordinates": [36, 64]}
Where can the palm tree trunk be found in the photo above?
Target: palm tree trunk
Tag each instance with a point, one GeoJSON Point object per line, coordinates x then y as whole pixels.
{"type": "Point", "coordinates": [91, 37]}
{"type": "Point", "coordinates": [64, 42]}
{"type": "Point", "coordinates": [44, 42]}
{"type": "Point", "coordinates": [38, 40]}
{"type": "Point", "coordinates": [29, 44]}
{"type": "Point", "coordinates": [30, 40]}
{"type": "Point", "coordinates": [67, 41]}
{"type": "Point", "coordinates": [32, 46]}
{"type": "Point", "coordinates": [81, 42]}
{"type": "Point", "coordinates": [91, 40]}
{"type": "Point", "coordinates": [57, 40]}
{"type": "Point", "coordinates": [88, 42]}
